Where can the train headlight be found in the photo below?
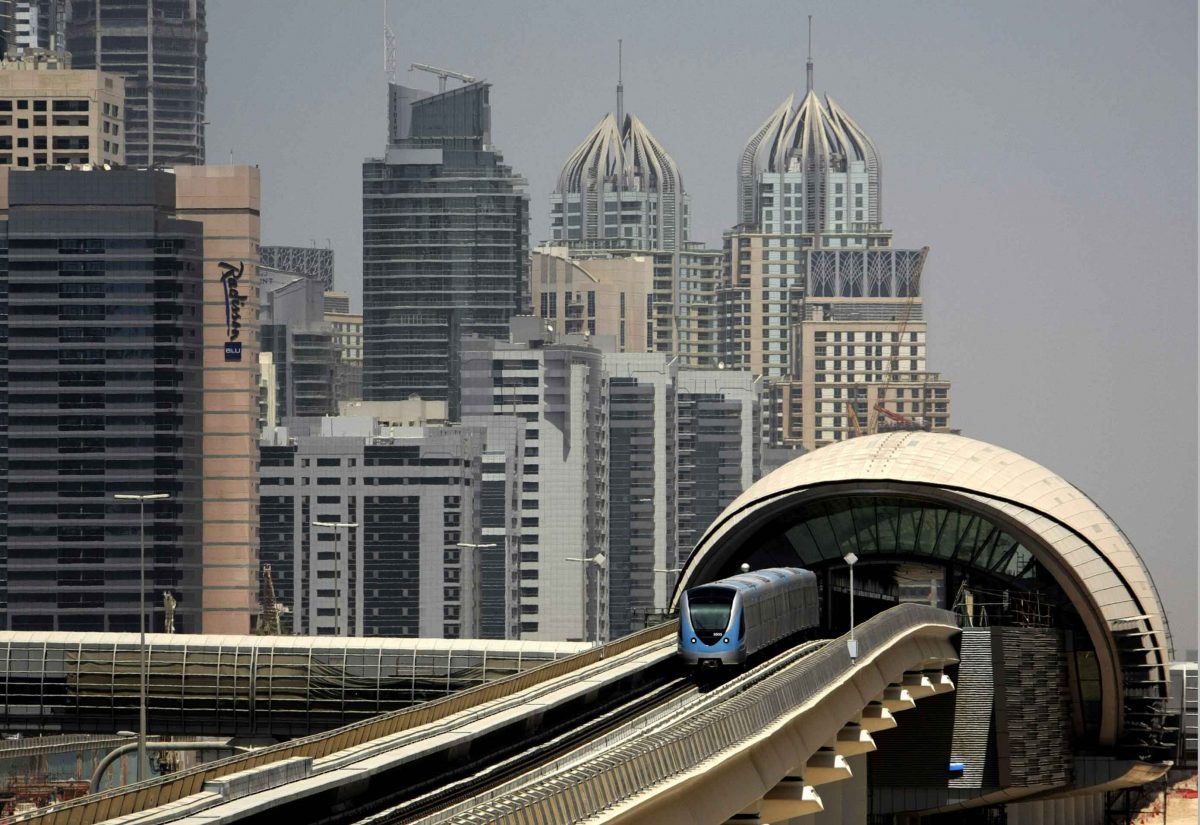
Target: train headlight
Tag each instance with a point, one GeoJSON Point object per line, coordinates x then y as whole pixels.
{"type": "Point", "coordinates": [725, 640]}
{"type": "Point", "coordinates": [693, 640]}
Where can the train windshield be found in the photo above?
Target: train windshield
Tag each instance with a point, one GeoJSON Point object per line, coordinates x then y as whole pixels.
{"type": "Point", "coordinates": [709, 609]}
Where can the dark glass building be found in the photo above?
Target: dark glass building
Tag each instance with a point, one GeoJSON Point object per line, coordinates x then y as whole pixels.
{"type": "Point", "coordinates": [101, 355]}
{"type": "Point", "coordinates": [445, 244]}
{"type": "Point", "coordinates": [159, 47]}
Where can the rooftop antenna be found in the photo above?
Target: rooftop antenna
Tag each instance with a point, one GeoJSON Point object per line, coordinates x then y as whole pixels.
{"type": "Point", "coordinates": [620, 91]}
{"type": "Point", "coordinates": [810, 65]}
{"type": "Point", "coordinates": [389, 48]}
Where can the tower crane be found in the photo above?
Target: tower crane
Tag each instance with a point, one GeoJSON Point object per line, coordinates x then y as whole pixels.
{"type": "Point", "coordinates": [442, 74]}
{"type": "Point", "coordinates": [269, 623]}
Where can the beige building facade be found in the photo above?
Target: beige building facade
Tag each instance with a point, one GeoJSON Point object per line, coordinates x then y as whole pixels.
{"type": "Point", "coordinates": [664, 302]}
{"type": "Point", "coordinates": [602, 295]}
{"type": "Point", "coordinates": [848, 366]}
{"type": "Point", "coordinates": [347, 335]}
{"type": "Point", "coordinates": [53, 116]}
{"type": "Point", "coordinates": [226, 201]}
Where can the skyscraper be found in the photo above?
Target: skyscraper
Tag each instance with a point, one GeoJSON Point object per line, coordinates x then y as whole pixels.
{"type": "Point", "coordinates": [303, 349]}
{"type": "Point", "coordinates": [159, 46]}
{"type": "Point", "coordinates": [445, 244]}
{"type": "Point", "coordinates": [103, 347]}
{"type": "Point", "coordinates": [620, 195]}
{"type": "Point", "coordinates": [620, 189]}
{"type": "Point", "coordinates": [39, 24]}
{"type": "Point", "coordinates": [410, 564]}
{"type": "Point", "coordinates": [557, 388]}
{"type": "Point", "coordinates": [814, 297]}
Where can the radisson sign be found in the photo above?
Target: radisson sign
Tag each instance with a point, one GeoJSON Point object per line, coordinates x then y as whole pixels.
{"type": "Point", "coordinates": [231, 274]}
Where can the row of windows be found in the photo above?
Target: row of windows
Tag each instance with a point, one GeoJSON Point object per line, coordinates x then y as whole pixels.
{"type": "Point", "coordinates": [39, 105]}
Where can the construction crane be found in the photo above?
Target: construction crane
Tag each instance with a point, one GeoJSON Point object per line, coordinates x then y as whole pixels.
{"type": "Point", "coordinates": [442, 74]}
{"type": "Point", "coordinates": [268, 619]}
{"type": "Point", "coordinates": [914, 289]}
{"type": "Point", "coordinates": [168, 612]}
{"type": "Point", "coordinates": [853, 417]}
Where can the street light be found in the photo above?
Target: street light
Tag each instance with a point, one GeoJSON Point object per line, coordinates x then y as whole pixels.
{"type": "Point", "coordinates": [336, 526]}
{"type": "Point", "coordinates": [143, 765]}
{"type": "Point", "coordinates": [852, 644]}
{"type": "Point", "coordinates": [597, 560]}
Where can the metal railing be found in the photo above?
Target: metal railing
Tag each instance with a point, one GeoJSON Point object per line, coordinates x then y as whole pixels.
{"type": "Point", "coordinates": [633, 767]}
{"type": "Point", "coordinates": [88, 810]}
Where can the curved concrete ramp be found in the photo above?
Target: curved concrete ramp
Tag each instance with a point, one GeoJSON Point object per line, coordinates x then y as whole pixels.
{"type": "Point", "coordinates": [768, 745]}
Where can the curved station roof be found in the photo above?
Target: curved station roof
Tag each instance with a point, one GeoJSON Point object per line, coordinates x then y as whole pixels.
{"type": "Point", "coordinates": [948, 499]}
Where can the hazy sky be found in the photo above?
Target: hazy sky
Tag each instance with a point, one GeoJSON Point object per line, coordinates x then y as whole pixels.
{"type": "Point", "coordinates": [1046, 152]}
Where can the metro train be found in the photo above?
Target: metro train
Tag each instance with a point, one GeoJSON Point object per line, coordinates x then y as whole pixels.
{"type": "Point", "coordinates": [722, 623]}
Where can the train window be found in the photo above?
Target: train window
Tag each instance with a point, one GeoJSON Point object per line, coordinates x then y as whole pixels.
{"type": "Point", "coordinates": [709, 609]}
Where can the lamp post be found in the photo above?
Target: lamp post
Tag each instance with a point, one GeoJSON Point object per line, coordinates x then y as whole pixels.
{"type": "Point", "coordinates": [597, 560]}
{"type": "Point", "coordinates": [852, 644]}
{"type": "Point", "coordinates": [143, 765]}
{"type": "Point", "coordinates": [336, 527]}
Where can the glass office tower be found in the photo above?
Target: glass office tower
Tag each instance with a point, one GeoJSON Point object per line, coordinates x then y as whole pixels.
{"type": "Point", "coordinates": [445, 245]}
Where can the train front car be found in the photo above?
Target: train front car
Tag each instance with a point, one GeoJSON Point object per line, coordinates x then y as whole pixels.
{"type": "Point", "coordinates": [723, 622]}
{"type": "Point", "coordinates": [711, 630]}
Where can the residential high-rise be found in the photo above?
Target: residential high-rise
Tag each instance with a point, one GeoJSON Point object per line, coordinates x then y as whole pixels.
{"type": "Point", "coordinates": [52, 116]}
{"type": "Point", "coordinates": [159, 47]}
{"type": "Point", "coordinates": [445, 244]}
{"type": "Point", "coordinates": [642, 514]}
{"type": "Point", "coordinates": [595, 294]}
{"type": "Point", "coordinates": [104, 356]}
{"type": "Point", "coordinates": [717, 447]}
{"type": "Point", "coordinates": [619, 215]}
{"type": "Point", "coordinates": [814, 297]}
{"type": "Point", "coordinates": [620, 189]}
{"type": "Point", "coordinates": [39, 24]}
{"type": "Point", "coordinates": [303, 350]}
{"type": "Point", "coordinates": [347, 329]}
{"type": "Point", "coordinates": [410, 564]}
{"type": "Point", "coordinates": [627, 459]}
{"type": "Point", "coordinates": [558, 389]}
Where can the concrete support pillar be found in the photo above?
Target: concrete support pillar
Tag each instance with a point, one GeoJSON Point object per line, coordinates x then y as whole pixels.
{"type": "Point", "coordinates": [941, 682]}
{"type": "Point", "coordinates": [895, 698]}
{"type": "Point", "coordinates": [918, 685]}
{"type": "Point", "coordinates": [825, 766]}
{"type": "Point", "coordinates": [875, 717]}
{"type": "Point", "coordinates": [792, 797]}
{"type": "Point", "coordinates": [852, 740]}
